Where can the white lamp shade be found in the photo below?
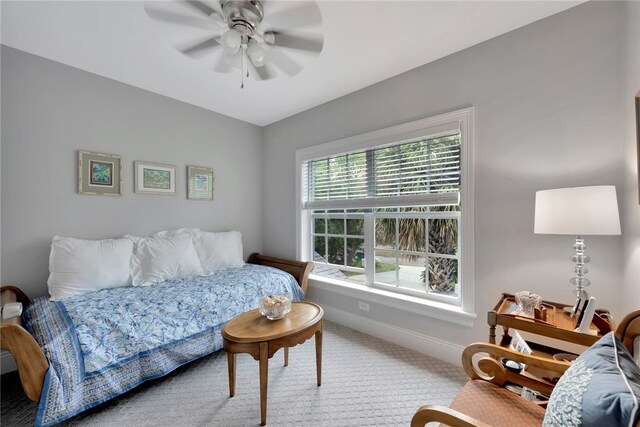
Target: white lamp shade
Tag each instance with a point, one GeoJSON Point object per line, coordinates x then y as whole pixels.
{"type": "Point", "coordinates": [577, 211]}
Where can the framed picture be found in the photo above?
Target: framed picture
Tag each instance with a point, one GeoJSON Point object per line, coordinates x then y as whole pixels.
{"type": "Point", "coordinates": [154, 178]}
{"type": "Point", "coordinates": [99, 174]}
{"type": "Point", "coordinates": [199, 183]}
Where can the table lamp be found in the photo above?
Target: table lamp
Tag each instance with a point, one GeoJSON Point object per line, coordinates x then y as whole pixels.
{"type": "Point", "coordinates": [578, 211]}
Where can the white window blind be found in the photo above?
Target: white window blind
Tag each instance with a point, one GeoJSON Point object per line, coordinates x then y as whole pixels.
{"type": "Point", "coordinates": [424, 171]}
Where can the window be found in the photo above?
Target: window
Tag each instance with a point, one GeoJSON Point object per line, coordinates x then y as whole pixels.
{"type": "Point", "coordinates": [392, 209]}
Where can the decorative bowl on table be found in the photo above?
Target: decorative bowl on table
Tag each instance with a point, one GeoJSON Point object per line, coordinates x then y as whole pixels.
{"type": "Point", "coordinates": [275, 306]}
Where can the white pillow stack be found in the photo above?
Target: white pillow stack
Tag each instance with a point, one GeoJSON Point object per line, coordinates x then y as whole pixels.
{"type": "Point", "coordinates": [218, 251]}
{"type": "Point", "coordinates": [157, 259]}
{"type": "Point", "coordinates": [79, 266]}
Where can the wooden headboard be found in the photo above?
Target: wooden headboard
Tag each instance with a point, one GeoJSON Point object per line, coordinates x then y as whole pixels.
{"type": "Point", "coordinates": [298, 269]}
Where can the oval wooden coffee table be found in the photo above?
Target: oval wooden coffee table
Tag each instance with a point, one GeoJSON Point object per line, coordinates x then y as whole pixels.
{"type": "Point", "coordinates": [253, 333]}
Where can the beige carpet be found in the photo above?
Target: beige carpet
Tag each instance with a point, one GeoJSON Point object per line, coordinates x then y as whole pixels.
{"type": "Point", "coordinates": [365, 382]}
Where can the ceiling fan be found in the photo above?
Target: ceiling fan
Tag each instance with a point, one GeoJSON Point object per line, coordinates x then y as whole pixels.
{"type": "Point", "coordinates": [241, 36]}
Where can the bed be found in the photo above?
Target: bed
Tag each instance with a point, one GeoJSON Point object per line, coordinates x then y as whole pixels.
{"type": "Point", "coordinates": [77, 353]}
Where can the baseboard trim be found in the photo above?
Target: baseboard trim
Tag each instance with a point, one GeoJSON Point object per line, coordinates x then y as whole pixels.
{"type": "Point", "coordinates": [431, 346]}
{"type": "Point", "coordinates": [7, 364]}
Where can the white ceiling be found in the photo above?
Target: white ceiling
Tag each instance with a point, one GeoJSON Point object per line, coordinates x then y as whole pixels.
{"type": "Point", "coordinates": [364, 42]}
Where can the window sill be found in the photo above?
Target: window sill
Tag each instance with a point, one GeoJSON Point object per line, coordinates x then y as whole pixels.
{"type": "Point", "coordinates": [425, 307]}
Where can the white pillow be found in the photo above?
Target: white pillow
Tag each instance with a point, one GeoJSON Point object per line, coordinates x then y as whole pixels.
{"type": "Point", "coordinates": [79, 266]}
{"type": "Point", "coordinates": [176, 232]}
{"type": "Point", "coordinates": [218, 251]}
{"type": "Point", "coordinates": [157, 259]}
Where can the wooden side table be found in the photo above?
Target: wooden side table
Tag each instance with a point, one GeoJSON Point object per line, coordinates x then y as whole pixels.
{"type": "Point", "coordinates": [558, 325]}
{"type": "Point", "coordinates": [253, 333]}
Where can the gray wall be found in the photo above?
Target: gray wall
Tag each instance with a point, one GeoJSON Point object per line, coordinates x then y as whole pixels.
{"type": "Point", "coordinates": [631, 202]}
{"type": "Point", "coordinates": [51, 110]}
{"type": "Point", "coordinates": [552, 110]}
{"type": "Point", "coordinates": [548, 115]}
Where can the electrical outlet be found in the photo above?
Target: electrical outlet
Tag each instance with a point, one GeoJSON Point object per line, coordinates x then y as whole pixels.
{"type": "Point", "coordinates": [363, 306]}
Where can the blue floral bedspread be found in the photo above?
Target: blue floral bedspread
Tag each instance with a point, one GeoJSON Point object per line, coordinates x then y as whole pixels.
{"type": "Point", "coordinates": [100, 345]}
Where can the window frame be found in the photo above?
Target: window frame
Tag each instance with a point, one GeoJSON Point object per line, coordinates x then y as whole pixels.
{"type": "Point", "coordinates": [429, 127]}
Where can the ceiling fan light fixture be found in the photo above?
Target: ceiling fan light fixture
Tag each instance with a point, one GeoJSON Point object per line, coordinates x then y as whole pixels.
{"type": "Point", "coordinates": [244, 15]}
{"type": "Point", "coordinates": [231, 41]}
{"type": "Point", "coordinates": [257, 53]}
{"type": "Point", "coordinates": [236, 28]}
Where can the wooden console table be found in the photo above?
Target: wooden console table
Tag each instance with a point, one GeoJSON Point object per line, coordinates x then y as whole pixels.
{"type": "Point", "coordinates": [559, 325]}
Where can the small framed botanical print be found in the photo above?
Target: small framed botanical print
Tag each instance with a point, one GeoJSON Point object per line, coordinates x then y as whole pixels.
{"type": "Point", "coordinates": [199, 183]}
{"type": "Point", "coordinates": [154, 178]}
{"type": "Point", "coordinates": [99, 174]}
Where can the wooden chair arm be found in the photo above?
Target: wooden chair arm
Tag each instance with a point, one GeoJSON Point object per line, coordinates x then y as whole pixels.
{"type": "Point", "coordinates": [31, 361]}
{"type": "Point", "coordinates": [491, 369]}
{"type": "Point", "coordinates": [442, 414]}
{"type": "Point", "coordinates": [298, 269]}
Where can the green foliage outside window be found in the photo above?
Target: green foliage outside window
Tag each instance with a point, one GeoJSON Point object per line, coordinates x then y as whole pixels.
{"type": "Point", "coordinates": [430, 166]}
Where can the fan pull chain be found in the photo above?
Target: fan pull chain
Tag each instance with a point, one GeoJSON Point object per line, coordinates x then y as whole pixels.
{"type": "Point", "coordinates": [244, 65]}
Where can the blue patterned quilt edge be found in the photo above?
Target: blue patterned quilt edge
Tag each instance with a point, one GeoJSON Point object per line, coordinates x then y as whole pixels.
{"type": "Point", "coordinates": [78, 349]}
{"type": "Point", "coordinates": [144, 379]}
{"type": "Point", "coordinates": [159, 349]}
{"type": "Point", "coordinates": [43, 393]}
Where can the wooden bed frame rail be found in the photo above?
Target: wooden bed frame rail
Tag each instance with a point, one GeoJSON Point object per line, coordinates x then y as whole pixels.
{"type": "Point", "coordinates": [31, 361]}
{"type": "Point", "coordinates": [298, 269]}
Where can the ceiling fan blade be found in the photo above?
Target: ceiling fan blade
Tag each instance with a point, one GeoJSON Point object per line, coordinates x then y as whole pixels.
{"type": "Point", "coordinates": [308, 42]}
{"type": "Point", "coordinates": [298, 13]}
{"type": "Point", "coordinates": [224, 64]}
{"type": "Point", "coordinates": [263, 73]}
{"type": "Point", "coordinates": [203, 8]}
{"type": "Point", "coordinates": [208, 43]}
{"type": "Point", "coordinates": [177, 18]}
{"type": "Point", "coordinates": [282, 61]}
